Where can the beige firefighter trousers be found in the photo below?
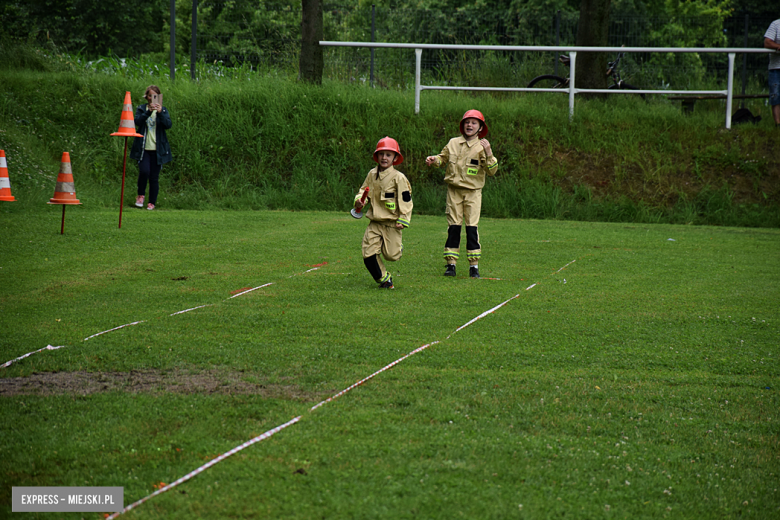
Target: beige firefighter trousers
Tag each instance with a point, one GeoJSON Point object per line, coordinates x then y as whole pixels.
{"type": "Point", "coordinates": [383, 238]}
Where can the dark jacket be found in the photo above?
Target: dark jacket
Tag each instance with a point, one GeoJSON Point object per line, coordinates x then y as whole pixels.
{"type": "Point", "coordinates": [163, 123]}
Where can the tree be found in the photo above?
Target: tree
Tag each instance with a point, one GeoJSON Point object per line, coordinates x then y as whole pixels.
{"type": "Point", "coordinates": [311, 62]}
{"type": "Point", "coordinates": [264, 32]}
{"type": "Point", "coordinates": [89, 27]}
{"type": "Point", "coordinates": [592, 31]}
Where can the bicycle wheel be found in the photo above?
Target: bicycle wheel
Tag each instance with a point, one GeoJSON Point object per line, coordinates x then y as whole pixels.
{"type": "Point", "coordinates": [548, 81]}
{"type": "Point", "coordinates": [625, 86]}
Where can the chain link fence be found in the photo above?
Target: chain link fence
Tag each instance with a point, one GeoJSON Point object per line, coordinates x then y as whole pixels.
{"type": "Point", "coordinates": [268, 37]}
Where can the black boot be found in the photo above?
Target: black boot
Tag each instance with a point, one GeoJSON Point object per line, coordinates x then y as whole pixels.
{"type": "Point", "coordinates": [450, 270]}
{"type": "Point", "coordinates": [474, 271]}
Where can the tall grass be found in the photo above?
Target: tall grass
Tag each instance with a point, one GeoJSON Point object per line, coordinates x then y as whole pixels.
{"type": "Point", "coordinates": [244, 138]}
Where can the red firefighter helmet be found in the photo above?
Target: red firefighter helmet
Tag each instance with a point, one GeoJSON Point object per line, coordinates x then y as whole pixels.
{"type": "Point", "coordinates": [390, 144]}
{"type": "Point", "coordinates": [476, 114]}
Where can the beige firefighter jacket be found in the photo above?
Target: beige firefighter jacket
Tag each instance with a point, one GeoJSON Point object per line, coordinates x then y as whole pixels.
{"type": "Point", "coordinates": [467, 163]}
{"type": "Point", "coordinates": [390, 195]}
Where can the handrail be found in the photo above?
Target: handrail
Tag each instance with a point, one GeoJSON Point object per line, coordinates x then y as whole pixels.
{"type": "Point", "coordinates": [567, 48]}
{"type": "Point", "coordinates": [572, 50]}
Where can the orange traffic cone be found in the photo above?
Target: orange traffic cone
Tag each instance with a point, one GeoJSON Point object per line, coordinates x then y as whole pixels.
{"type": "Point", "coordinates": [65, 191]}
{"type": "Point", "coordinates": [5, 183]}
{"type": "Point", "coordinates": [127, 123]}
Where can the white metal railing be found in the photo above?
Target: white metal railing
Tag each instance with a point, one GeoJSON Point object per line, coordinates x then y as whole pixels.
{"type": "Point", "coordinates": [572, 50]}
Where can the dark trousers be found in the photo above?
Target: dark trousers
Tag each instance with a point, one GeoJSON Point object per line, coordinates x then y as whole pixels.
{"type": "Point", "coordinates": [149, 170]}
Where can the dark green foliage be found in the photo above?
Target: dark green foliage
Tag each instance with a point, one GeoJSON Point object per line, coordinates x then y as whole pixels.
{"type": "Point", "coordinates": [24, 56]}
{"type": "Point", "coordinates": [246, 31]}
{"type": "Point", "coordinates": [94, 27]}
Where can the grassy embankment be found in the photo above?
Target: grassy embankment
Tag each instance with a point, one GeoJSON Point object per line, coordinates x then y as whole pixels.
{"type": "Point", "coordinates": [267, 141]}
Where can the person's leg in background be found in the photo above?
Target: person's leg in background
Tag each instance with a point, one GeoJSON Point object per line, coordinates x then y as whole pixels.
{"type": "Point", "coordinates": [774, 94]}
{"type": "Point", "coordinates": [143, 178]}
{"type": "Point", "coordinates": [154, 183]}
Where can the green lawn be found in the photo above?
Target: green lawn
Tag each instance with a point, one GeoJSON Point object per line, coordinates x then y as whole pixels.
{"type": "Point", "coordinates": [641, 381]}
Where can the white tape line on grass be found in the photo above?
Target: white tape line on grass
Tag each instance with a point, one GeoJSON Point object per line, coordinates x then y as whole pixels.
{"type": "Point", "coordinates": [206, 466]}
{"type": "Point", "coordinates": [278, 428]}
{"type": "Point", "coordinates": [391, 365]}
{"type": "Point", "coordinates": [328, 400]}
{"type": "Point", "coordinates": [564, 267]}
{"type": "Point", "coordinates": [7, 363]}
{"type": "Point", "coordinates": [259, 438]}
{"type": "Point", "coordinates": [296, 419]}
{"type": "Point", "coordinates": [115, 328]}
{"type": "Point", "coordinates": [63, 346]}
{"type": "Point", "coordinates": [265, 435]}
{"type": "Point", "coordinates": [250, 290]}
{"type": "Point", "coordinates": [491, 310]}
{"type": "Point", "coordinates": [48, 347]}
{"type": "Point", "coordinates": [188, 310]}
{"type": "Point", "coordinates": [413, 352]}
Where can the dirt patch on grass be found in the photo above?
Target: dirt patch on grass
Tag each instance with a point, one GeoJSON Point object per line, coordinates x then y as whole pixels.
{"type": "Point", "coordinates": [151, 381]}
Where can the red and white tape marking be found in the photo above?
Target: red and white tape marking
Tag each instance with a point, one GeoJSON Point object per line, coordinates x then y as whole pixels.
{"type": "Point", "coordinates": [487, 312]}
{"type": "Point", "coordinates": [115, 328]}
{"type": "Point", "coordinates": [313, 268]}
{"type": "Point", "coordinates": [47, 347]}
{"type": "Point", "coordinates": [188, 310]}
{"type": "Point", "coordinates": [391, 365]}
{"type": "Point", "coordinates": [279, 428]}
{"type": "Point", "coordinates": [490, 311]}
{"type": "Point", "coordinates": [328, 400]}
{"type": "Point", "coordinates": [206, 466]}
{"type": "Point", "coordinates": [564, 267]}
{"type": "Point", "coordinates": [250, 290]}
{"type": "Point", "coordinates": [142, 321]}
{"type": "Point", "coordinates": [271, 432]}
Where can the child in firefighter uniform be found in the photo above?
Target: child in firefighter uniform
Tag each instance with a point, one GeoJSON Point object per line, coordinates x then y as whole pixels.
{"type": "Point", "coordinates": [390, 196]}
{"type": "Point", "coordinates": [469, 158]}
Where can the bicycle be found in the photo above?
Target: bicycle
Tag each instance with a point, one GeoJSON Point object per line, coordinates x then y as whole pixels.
{"type": "Point", "coordinates": [553, 81]}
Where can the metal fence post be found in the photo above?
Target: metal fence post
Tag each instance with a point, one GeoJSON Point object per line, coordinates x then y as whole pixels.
{"type": "Point", "coordinates": [557, 38]}
{"type": "Point", "coordinates": [572, 69]}
{"type": "Point", "coordinates": [373, 39]}
{"type": "Point", "coordinates": [173, 40]}
{"type": "Point", "coordinates": [744, 62]}
{"type": "Point", "coordinates": [730, 91]}
{"type": "Point", "coordinates": [417, 60]}
{"type": "Point", "coordinates": [194, 50]}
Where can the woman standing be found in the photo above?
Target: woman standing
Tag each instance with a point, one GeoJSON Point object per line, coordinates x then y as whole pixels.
{"type": "Point", "coordinates": [152, 150]}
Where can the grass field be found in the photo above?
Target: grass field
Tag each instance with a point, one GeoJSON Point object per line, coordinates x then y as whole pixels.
{"type": "Point", "coordinates": [640, 381]}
